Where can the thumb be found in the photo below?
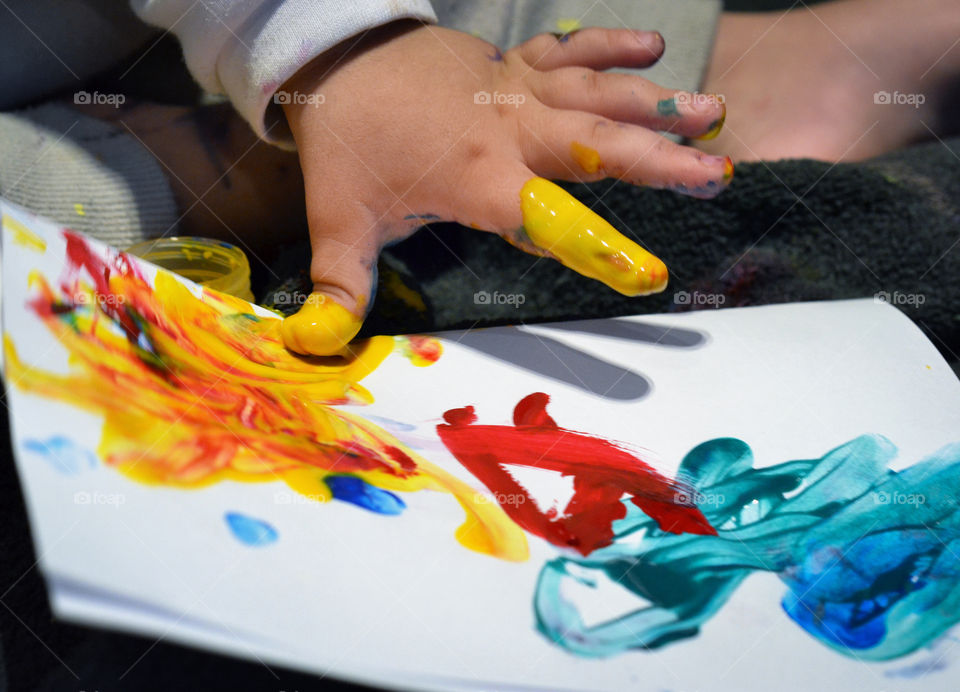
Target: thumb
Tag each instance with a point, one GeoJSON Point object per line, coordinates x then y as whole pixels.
{"type": "Point", "coordinates": [343, 273]}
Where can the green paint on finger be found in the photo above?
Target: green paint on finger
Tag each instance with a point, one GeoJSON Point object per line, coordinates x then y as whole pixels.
{"type": "Point", "coordinates": [668, 107]}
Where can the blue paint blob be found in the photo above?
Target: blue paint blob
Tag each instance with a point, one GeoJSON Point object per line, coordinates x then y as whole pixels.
{"type": "Point", "coordinates": [63, 454]}
{"type": "Point", "coordinates": [360, 493]}
{"type": "Point", "coordinates": [250, 531]}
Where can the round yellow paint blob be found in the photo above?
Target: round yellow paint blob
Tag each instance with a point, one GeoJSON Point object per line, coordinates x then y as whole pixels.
{"type": "Point", "coordinates": [557, 222]}
{"type": "Point", "coordinates": [322, 327]}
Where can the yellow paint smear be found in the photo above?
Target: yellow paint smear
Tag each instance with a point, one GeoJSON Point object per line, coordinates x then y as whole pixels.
{"type": "Point", "coordinates": [24, 236]}
{"type": "Point", "coordinates": [566, 26]}
{"type": "Point", "coordinates": [558, 223]}
{"type": "Point", "coordinates": [195, 391]}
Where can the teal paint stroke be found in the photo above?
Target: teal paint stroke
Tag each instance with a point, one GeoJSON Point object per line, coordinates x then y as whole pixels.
{"type": "Point", "coordinates": [870, 556]}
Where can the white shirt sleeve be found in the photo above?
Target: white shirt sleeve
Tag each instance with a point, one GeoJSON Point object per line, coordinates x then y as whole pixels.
{"type": "Point", "coordinates": [247, 49]}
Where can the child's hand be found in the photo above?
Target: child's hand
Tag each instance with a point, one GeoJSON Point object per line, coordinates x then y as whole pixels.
{"type": "Point", "coordinates": [423, 123]}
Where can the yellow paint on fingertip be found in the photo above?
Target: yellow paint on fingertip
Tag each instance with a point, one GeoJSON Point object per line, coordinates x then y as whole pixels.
{"type": "Point", "coordinates": [568, 26]}
{"type": "Point", "coordinates": [557, 222]}
{"type": "Point", "coordinates": [727, 170]}
{"type": "Point", "coordinates": [715, 128]}
{"type": "Point", "coordinates": [588, 159]}
{"type": "Point", "coordinates": [23, 236]}
{"type": "Point", "coordinates": [322, 327]}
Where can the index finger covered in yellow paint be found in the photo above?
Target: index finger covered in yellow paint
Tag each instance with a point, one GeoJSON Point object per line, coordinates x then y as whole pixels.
{"type": "Point", "coordinates": [555, 221]}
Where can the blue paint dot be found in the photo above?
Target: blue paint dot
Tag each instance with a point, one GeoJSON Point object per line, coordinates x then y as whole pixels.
{"type": "Point", "coordinates": [360, 493]}
{"type": "Point", "coordinates": [250, 531]}
{"type": "Point", "coordinates": [63, 454]}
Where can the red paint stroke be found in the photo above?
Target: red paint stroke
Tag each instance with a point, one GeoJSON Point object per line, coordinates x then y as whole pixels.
{"type": "Point", "coordinates": [602, 473]}
{"type": "Point", "coordinates": [80, 255]}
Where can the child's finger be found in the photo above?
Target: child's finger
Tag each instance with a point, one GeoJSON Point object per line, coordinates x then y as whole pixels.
{"type": "Point", "coordinates": [599, 49]}
{"type": "Point", "coordinates": [342, 270]}
{"type": "Point", "coordinates": [542, 218]}
{"type": "Point", "coordinates": [629, 98]}
{"type": "Point", "coordinates": [579, 146]}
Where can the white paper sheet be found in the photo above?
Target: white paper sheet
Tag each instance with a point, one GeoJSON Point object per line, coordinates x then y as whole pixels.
{"type": "Point", "coordinates": [395, 600]}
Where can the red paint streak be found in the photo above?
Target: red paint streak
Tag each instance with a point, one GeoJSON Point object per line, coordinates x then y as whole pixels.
{"type": "Point", "coordinates": [602, 473]}
{"type": "Point", "coordinates": [79, 255]}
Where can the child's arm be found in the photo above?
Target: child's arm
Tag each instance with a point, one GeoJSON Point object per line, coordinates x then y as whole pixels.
{"type": "Point", "coordinates": [411, 122]}
{"type": "Point", "coordinates": [418, 122]}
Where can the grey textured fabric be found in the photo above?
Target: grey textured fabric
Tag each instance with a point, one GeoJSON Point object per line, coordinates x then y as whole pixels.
{"type": "Point", "coordinates": [56, 161]}
{"type": "Point", "coordinates": [85, 174]}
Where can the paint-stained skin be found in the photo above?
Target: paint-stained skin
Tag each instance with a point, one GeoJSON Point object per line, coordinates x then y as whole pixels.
{"type": "Point", "coordinates": [198, 390]}
{"type": "Point", "coordinates": [668, 108]}
{"type": "Point", "coordinates": [588, 159]}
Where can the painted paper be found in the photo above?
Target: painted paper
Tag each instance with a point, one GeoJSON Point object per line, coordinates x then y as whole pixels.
{"type": "Point", "coordinates": [708, 500]}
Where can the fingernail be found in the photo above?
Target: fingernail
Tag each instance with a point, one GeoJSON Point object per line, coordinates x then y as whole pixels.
{"type": "Point", "coordinates": [724, 162]}
{"type": "Point", "coordinates": [727, 170]}
{"type": "Point", "coordinates": [715, 127]}
{"type": "Point", "coordinates": [654, 39]}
